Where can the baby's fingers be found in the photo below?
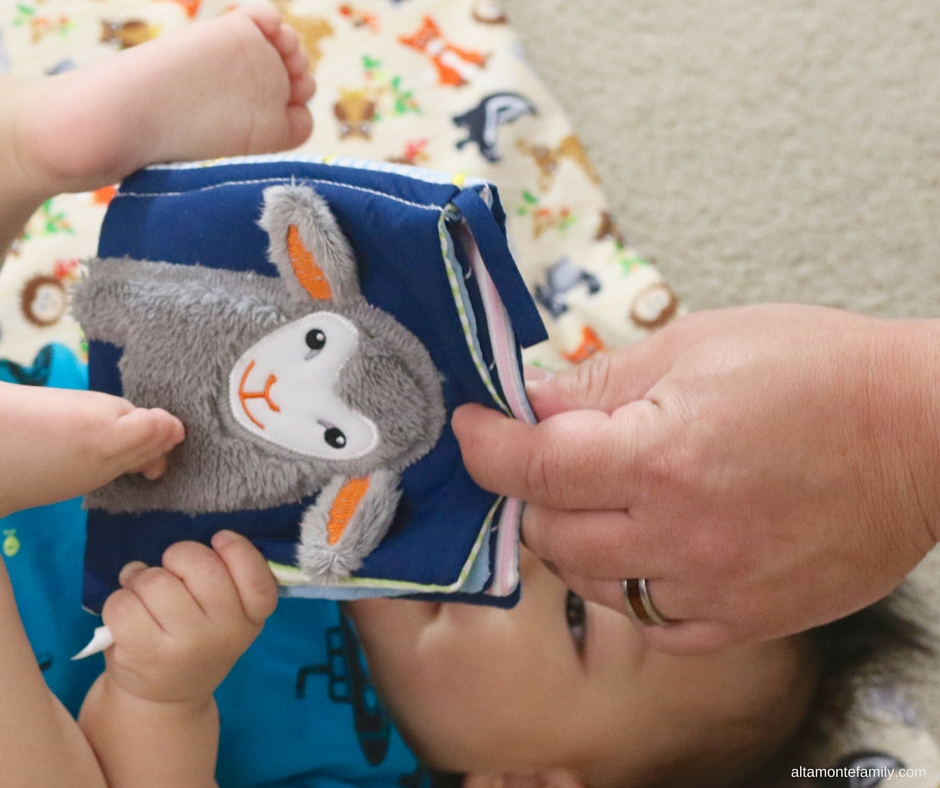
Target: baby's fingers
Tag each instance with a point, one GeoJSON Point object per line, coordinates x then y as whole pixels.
{"type": "Point", "coordinates": [142, 436]}
{"type": "Point", "coordinates": [129, 572]}
{"type": "Point", "coordinates": [133, 440]}
{"type": "Point", "coordinates": [133, 626]}
{"type": "Point", "coordinates": [250, 573]}
{"type": "Point", "coordinates": [153, 469]}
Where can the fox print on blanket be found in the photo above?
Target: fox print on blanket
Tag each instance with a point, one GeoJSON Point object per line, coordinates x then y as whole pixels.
{"type": "Point", "coordinates": [289, 386]}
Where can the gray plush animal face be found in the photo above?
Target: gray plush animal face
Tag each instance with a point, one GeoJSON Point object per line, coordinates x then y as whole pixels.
{"type": "Point", "coordinates": [288, 386]}
{"type": "Point", "coordinates": [282, 389]}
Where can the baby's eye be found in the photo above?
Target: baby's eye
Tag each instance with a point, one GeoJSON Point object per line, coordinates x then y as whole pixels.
{"type": "Point", "coordinates": [316, 340]}
{"type": "Point", "coordinates": [576, 616]}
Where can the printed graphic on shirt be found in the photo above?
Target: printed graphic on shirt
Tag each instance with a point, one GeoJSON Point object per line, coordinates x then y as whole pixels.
{"type": "Point", "coordinates": [37, 374]}
{"type": "Point", "coordinates": [348, 682]}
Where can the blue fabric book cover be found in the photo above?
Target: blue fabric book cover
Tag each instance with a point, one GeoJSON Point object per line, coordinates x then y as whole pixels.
{"type": "Point", "coordinates": [427, 253]}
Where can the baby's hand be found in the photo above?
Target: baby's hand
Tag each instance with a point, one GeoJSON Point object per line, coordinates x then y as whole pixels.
{"type": "Point", "coordinates": [178, 629]}
{"type": "Point", "coordinates": [59, 443]}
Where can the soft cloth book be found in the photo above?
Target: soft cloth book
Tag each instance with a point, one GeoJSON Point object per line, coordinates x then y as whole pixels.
{"type": "Point", "coordinates": [314, 324]}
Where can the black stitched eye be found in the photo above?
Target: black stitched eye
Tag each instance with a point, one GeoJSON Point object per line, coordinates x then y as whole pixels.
{"type": "Point", "coordinates": [335, 438]}
{"type": "Point", "coordinates": [315, 339]}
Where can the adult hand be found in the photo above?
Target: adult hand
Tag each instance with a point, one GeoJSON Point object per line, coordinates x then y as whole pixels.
{"type": "Point", "coordinates": [767, 468]}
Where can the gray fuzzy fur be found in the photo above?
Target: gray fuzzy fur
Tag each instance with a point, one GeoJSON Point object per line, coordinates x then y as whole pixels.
{"type": "Point", "coordinates": [182, 328]}
{"type": "Point", "coordinates": [326, 563]}
{"type": "Point", "coordinates": [303, 207]}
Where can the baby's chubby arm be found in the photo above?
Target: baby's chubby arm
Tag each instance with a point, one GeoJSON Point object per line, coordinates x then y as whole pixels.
{"type": "Point", "coordinates": [42, 745]}
{"type": "Point", "coordinates": [178, 630]}
{"type": "Point", "coordinates": [56, 444]}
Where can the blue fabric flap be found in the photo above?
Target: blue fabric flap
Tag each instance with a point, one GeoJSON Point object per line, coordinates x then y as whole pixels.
{"type": "Point", "coordinates": [491, 240]}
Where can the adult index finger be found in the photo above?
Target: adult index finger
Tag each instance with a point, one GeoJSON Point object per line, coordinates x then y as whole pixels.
{"type": "Point", "coordinates": [575, 460]}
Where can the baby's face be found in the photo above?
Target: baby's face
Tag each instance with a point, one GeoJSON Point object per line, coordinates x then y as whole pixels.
{"type": "Point", "coordinates": [556, 683]}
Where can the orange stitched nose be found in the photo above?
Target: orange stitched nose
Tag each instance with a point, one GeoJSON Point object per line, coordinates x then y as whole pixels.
{"type": "Point", "coordinates": [265, 395]}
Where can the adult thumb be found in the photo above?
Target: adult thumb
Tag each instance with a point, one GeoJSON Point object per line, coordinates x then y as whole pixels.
{"type": "Point", "coordinates": [604, 382]}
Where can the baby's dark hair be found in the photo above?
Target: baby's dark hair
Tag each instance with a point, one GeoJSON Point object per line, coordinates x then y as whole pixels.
{"type": "Point", "coordinates": [881, 647]}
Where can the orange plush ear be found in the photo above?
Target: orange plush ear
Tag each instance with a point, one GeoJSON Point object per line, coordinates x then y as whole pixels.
{"type": "Point", "coordinates": [308, 273]}
{"type": "Point", "coordinates": [344, 507]}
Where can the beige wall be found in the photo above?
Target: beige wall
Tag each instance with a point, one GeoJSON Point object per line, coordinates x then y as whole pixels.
{"type": "Point", "coordinates": [761, 149]}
